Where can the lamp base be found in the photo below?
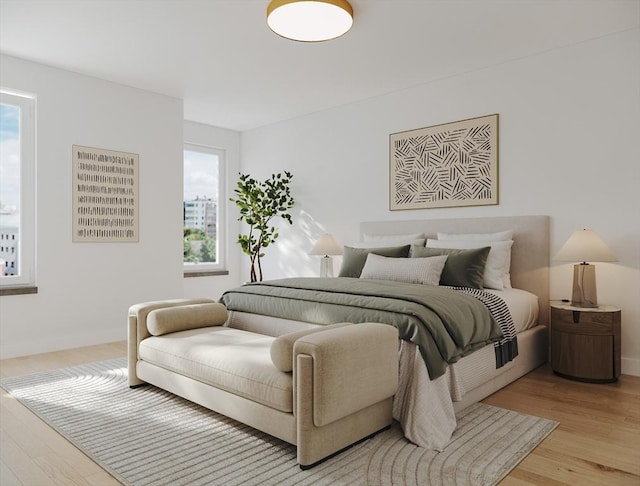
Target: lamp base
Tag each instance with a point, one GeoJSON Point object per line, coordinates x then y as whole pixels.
{"type": "Point", "coordinates": [326, 266]}
{"type": "Point", "coordinates": [584, 286]}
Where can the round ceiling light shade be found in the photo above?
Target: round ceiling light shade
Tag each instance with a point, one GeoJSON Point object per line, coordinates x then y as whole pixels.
{"type": "Point", "coordinates": [310, 20]}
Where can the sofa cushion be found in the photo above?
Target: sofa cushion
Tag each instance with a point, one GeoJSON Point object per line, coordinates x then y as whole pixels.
{"type": "Point", "coordinates": [282, 347]}
{"type": "Point", "coordinates": [175, 319]}
{"type": "Point", "coordinates": [231, 359]}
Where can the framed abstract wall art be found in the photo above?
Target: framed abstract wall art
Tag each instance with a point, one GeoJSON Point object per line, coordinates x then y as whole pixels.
{"type": "Point", "coordinates": [449, 165]}
{"type": "Point", "coordinates": [105, 195]}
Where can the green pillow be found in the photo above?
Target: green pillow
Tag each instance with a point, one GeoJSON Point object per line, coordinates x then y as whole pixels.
{"type": "Point", "coordinates": [463, 268]}
{"type": "Point", "coordinates": [353, 259]}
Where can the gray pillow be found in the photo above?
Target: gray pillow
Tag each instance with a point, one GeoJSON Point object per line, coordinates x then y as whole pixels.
{"type": "Point", "coordinates": [353, 259]}
{"type": "Point", "coordinates": [463, 268]}
{"type": "Point", "coordinates": [424, 271]}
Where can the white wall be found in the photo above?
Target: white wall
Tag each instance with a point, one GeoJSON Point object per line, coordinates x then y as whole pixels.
{"type": "Point", "coordinates": [85, 289]}
{"type": "Point", "coordinates": [229, 141]}
{"type": "Point", "coordinates": [569, 125]}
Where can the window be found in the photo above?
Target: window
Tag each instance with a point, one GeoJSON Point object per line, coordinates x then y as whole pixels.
{"type": "Point", "coordinates": [203, 210]}
{"type": "Point", "coordinates": [17, 189]}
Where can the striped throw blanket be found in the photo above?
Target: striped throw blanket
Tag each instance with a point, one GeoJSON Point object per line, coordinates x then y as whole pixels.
{"type": "Point", "coordinates": [506, 348]}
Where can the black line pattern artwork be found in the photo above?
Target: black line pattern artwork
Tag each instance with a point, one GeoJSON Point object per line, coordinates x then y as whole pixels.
{"type": "Point", "coordinates": [105, 195]}
{"type": "Point", "coordinates": [455, 164]}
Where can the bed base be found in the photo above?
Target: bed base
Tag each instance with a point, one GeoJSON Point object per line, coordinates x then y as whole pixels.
{"type": "Point", "coordinates": [533, 351]}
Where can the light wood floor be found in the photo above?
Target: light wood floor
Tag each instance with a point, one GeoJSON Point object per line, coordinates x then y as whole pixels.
{"type": "Point", "coordinates": [597, 442]}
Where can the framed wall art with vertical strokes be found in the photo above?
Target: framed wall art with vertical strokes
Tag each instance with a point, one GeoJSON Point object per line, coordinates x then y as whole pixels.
{"type": "Point", "coordinates": [105, 195]}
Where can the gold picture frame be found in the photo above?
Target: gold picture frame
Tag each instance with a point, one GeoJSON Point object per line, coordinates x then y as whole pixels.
{"type": "Point", "coordinates": [449, 165]}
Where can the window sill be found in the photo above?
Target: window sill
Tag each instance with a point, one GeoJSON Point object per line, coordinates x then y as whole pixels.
{"type": "Point", "coordinates": [18, 290]}
{"type": "Point", "coordinates": [211, 273]}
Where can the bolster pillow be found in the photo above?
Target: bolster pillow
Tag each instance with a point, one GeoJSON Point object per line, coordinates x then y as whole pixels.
{"type": "Point", "coordinates": [184, 317]}
{"type": "Point", "coordinates": [282, 346]}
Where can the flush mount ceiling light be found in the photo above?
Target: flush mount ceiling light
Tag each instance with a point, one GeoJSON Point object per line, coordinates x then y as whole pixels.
{"type": "Point", "coordinates": [310, 20]}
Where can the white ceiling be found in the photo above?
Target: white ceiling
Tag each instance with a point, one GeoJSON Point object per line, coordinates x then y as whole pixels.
{"type": "Point", "coordinates": [232, 71]}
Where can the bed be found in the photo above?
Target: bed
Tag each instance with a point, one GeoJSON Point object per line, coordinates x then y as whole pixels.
{"type": "Point", "coordinates": [426, 405]}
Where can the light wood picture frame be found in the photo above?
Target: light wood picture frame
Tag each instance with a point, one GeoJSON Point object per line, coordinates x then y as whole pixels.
{"type": "Point", "coordinates": [449, 165]}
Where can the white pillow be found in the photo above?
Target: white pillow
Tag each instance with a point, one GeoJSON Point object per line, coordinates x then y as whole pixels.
{"type": "Point", "coordinates": [500, 236]}
{"type": "Point", "coordinates": [498, 260]}
{"type": "Point", "coordinates": [387, 243]}
{"type": "Point", "coordinates": [486, 237]}
{"type": "Point", "coordinates": [425, 271]}
{"type": "Point", "coordinates": [412, 236]}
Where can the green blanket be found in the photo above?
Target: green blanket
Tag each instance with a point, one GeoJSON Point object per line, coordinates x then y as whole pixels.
{"type": "Point", "coordinates": [444, 323]}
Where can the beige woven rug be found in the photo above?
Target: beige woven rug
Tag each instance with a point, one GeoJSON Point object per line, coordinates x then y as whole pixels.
{"type": "Point", "coordinates": [146, 436]}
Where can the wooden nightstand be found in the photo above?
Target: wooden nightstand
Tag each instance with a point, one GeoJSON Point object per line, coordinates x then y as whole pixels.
{"type": "Point", "coordinates": [585, 342]}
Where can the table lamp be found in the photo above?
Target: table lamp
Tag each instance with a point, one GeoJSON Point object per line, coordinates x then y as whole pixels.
{"type": "Point", "coordinates": [584, 246]}
{"type": "Point", "coordinates": [326, 245]}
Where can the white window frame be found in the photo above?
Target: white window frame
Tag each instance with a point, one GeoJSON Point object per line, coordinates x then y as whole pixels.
{"type": "Point", "coordinates": [27, 240]}
{"type": "Point", "coordinates": [218, 268]}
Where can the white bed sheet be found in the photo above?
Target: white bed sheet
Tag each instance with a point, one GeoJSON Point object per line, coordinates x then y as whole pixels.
{"type": "Point", "coordinates": [424, 407]}
{"type": "Point", "coordinates": [523, 306]}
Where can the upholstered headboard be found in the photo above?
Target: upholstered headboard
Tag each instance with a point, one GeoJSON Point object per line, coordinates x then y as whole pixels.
{"type": "Point", "coordinates": [529, 254]}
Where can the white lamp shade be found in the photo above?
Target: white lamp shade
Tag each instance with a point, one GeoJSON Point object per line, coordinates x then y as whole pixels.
{"type": "Point", "coordinates": [310, 20]}
{"type": "Point", "coordinates": [585, 246]}
{"type": "Point", "coordinates": [326, 245]}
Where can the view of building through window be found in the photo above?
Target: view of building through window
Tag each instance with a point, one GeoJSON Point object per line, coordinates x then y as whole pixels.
{"type": "Point", "coordinates": [9, 190]}
{"type": "Point", "coordinates": [200, 205]}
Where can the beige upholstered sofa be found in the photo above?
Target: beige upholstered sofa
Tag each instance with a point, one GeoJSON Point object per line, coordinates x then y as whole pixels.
{"type": "Point", "coordinates": [321, 388]}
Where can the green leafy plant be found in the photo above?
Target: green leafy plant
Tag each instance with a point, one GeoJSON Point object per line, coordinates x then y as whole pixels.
{"type": "Point", "coordinates": [197, 247]}
{"type": "Point", "coordinates": [259, 202]}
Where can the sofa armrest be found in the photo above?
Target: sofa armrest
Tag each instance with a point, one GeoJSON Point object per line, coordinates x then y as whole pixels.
{"type": "Point", "coordinates": [282, 347]}
{"type": "Point", "coordinates": [137, 328]}
{"type": "Point", "coordinates": [353, 367]}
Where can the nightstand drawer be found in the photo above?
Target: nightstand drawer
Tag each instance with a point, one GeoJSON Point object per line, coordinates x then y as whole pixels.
{"type": "Point", "coordinates": [583, 357]}
{"type": "Point", "coordinates": [581, 322]}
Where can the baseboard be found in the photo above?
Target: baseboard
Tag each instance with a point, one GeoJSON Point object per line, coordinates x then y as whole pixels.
{"type": "Point", "coordinates": [38, 346]}
{"type": "Point", "coordinates": [630, 366]}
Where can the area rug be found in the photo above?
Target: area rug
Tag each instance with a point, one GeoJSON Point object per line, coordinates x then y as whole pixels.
{"type": "Point", "coordinates": [146, 436]}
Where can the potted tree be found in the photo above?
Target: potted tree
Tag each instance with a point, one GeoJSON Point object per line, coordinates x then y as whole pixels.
{"type": "Point", "coordinates": [259, 202]}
